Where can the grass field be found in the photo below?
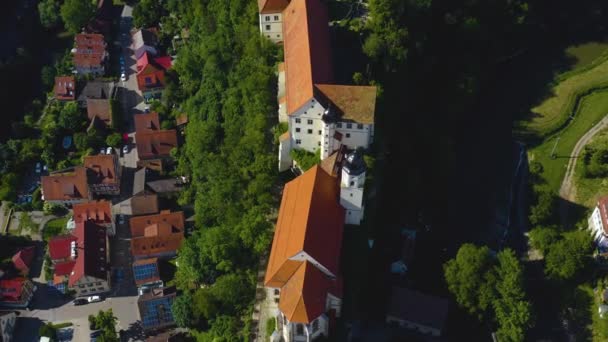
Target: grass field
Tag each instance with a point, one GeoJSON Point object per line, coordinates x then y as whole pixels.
{"type": "Point", "coordinates": [54, 227]}
{"type": "Point", "coordinates": [592, 108]}
{"type": "Point", "coordinates": [589, 70]}
{"type": "Point", "coordinates": [588, 190]}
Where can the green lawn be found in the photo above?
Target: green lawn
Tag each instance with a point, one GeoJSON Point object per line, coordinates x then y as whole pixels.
{"type": "Point", "coordinates": [586, 53]}
{"type": "Point", "coordinates": [54, 227]}
{"type": "Point", "coordinates": [599, 326]}
{"type": "Point", "coordinates": [588, 190]}
{"type": "Point", "coordinates": [592, 108]}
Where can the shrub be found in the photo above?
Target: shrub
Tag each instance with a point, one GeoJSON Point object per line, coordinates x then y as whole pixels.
{"type": "Point", "coordinates": [304, 159]}
{"type": "Point", "coordinates": [271, 326]}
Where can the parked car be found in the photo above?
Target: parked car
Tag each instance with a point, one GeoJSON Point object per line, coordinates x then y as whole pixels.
{"type": "Point", "coordinates": [38, 167]}
{"type": "Point", "coordinates": [109, 150]}
{"type": "Point", "coordinates": [95, 333]}
{"type": "Point", "coordinates": [102, 151]}
{"type": "Point", "coordinates": [147, 110]}
{"type": "Point", "coordinates": [80, 301]}
{"type": "Point", "coordinates": [121, 219]}
{"type": "Point", "coordinates": [125, 149]}
{"type": "Point", "coordinates": [93, 299]}
{"type": "Point", "coordinates": [123, 77]}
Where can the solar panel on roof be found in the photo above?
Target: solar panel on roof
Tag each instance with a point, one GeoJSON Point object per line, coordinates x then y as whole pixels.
{"type": "Point", "coordinates": [158, 312]}
{"type": "Point", "coordinates": [145, 271]}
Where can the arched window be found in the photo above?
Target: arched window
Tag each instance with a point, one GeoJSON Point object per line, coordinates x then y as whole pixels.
{"type": "Point", "coordinates": [299, 329]}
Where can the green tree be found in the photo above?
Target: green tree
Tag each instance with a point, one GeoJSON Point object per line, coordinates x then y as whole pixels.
{"type": "Point", "coordinates": [49, 13]}
{"type": "Point", "coordinates": [470, 279]}
{"type": "Point", "coordinates": [81, 141]}
{"type": "Point", "coordinates": [71, 117]}
{"type": "Point", "coordinates": [568, 256]}
{"type": "Point", "coordinates": [114, 140]}
{"type": "Point", "coordinates": [542, 238]}
{"type": "Point", "coordinates": [205, 305]}
{"type": "Point", "coordinates": [48, 330]}
{"type": "Point", "coordinates": [182, 310]}
{"type": "Point", "coordinates": [47, 75]}
{"type": "Point", "coordinates": [542, 212]}
{"type": "Point", "coordinates": [76, 14]}
{"type": "Point", "coordinates": [233, 292]}
{"type": "Point", "coordinates": [388, 40]}
{"type": "Point", "coordinates": [106, 321]}
{"type": "Point", "coordinates": [147, 13]}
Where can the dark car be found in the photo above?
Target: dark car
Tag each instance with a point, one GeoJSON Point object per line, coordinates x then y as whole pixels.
{"type": "Point", "coordinates": [95, 333]}
{"type": "Point", "coordinates": [80, 301]}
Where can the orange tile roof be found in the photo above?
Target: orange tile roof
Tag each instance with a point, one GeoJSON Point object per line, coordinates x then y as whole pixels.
{"type": "Point", "coordinates": [65, 88]}
{"type": "Point", "coordinates": [307, 50]}
{"type": "Point", "coordinates": [101, 169]}
{"type": "Point", "coordinates": [304, 296]}
{"type": "Point", "coordinates": [155, 144]}
{"type": "Point", "coordinates": [146, 122]}
{"type": "Point", "coordinates": [353, 103]}
{"type": "Point", "coordinates": [310, 220]}
{"type": "Point", "coordinates": [66, 185]}
{"type": "Point", "coordinates": [154, 245]}
{"type": "Point", "coordinates": [100, 108]}
{"type": "Point", "coordinates": [284, 137]}
{"type": "Point", "coordinates": [174, 219]}
{"type": "Point", "coordinates": [99, 212]}
{"type": "Point", "coordinates": [272, 6]}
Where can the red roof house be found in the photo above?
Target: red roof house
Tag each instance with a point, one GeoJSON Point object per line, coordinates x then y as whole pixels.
{"type": "Point", "coordinates": [151, 75]}
{"type": "Point", "coordinates": [65, 88]}
{"type": "Point", "coordinates": [60, 247]}
{"type": "Point", "coordinates": [23, 259]}
{"type": "Point", "coordinates": [66, 187]}
{"type": "Point", "coordinates": [157, 144]}
{"type": "Point", "coordinates": [16, 292]}
{"type": "Point", "coordinates": [157, 235]}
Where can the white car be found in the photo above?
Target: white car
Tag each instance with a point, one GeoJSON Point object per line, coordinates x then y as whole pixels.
{"type": "Point", "coordinates": [109, 150]}
{"type": "Point", "coordinates": [93, 299]}
{"type": "Point", "coordinates": [102, 151]}
{"type": "Point", "coordinates": [125, 149]}
{"type": "Point", "coordinates": [123, 77]}
{"type": "Point", "coordinates": [38, 167]}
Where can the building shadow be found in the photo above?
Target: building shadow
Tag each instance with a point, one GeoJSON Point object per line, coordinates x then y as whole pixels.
{"type": "Point", "coordinates": [26, 329]}
{"type": "Point", "coordinates": [36, 266]}
{"type": "Point", "coordinates": [135, 332]}
{"type": "Point", "coordinates": [47, 297]}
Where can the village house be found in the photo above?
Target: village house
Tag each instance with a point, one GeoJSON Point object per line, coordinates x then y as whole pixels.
{"type": "Point", "coordinates": [304, 261]}
{"type": "Point", "coordinates": [144, 40]}
{"type": "Point", "coordinates": [156, 144]}
{"type": "Point", "coordinates": [598, 222]}
{"type": "Point", "coordinates": [65, 88]}
{"type": "Point", "coordinates": [416, 311]}
{"type": "Point", "coordinates": [22, 260]}
{"type": "Point", "coordinates": [151, 75]}
{"type": "Point", "coordinates": [99, 112]}
{"type": "Point", "coordinates": [90, 54]}
{"type": "Point", "coordinates": [102, 90]}
{"type": "Point", "coordinates": [145, 272]}
{"type": "Point", "coordinates": [16, 292]}
{"type": "Point", "coordinates": [66, 187]}
{"type": "Point", "coordinates": [155, 309]}
{"type": "Point", "coordinates": [157, 236]}
{"type": "Point", "coordinates": [98, 212]}
{"type": "Point", "coordinates": [81, 260]}
{"type": "Point", "coordinates": [103, 174]}
{"type": "Point", "coordinates": [321, 115]}
{"type": "Point", "coordinates": [271, 18]}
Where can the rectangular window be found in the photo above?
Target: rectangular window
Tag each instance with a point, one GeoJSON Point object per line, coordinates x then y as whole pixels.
{"type": "Point", "coordinates": [320, 133]}
{"type": "Point", "coordinates": [267, 27]}
{"type": "Point", "coordinates": [298, 141]}
{"type": "Point", "coordinates": [359, 126]}
{"type": "Point", "coordinates": [310, 131]}
{"type": "Point", "coordinates": [339, 125]}
{"type": "Point", "coordinates": [348, 135]}
{"type": "Point", "coordinates": [148, 80]}
{"type": "Point", "coordinates": [349, 126]}
{"type": "Point", "coordinates": [297, 129]}
{"type": "Point", "coordinates": [267, 18]}
{"type": "Point", "coordinates": [276, 18]}
{"type": "Point", "coordinates": [309, 121]}
{"type": "Point", "coordinates": [318, 143]}
{"type": "Point", "coordinates": [298, 121]}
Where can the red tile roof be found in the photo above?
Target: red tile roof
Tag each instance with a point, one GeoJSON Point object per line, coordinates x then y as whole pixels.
{"type": "Point", "coordinates": [155, 144]}
{"type": "Point", "coordinates": [66, 186]}
{"type": "Point", "coordinates": [603, 205]}
{"type": "Point", "coordinates": [23, 259]}
{"type": "Point", "coordinates": [59, 247]}
{"type": "Point", "coordinates": [310, 220]}
{"type": "Point", "coordinates": [64, 268]}
{"type": "Point", "coordinates": [91, 259]}
{"type": "Point", "coordinates": [157, 234]}
{"type": "Point", "coordinates": [90, 50]}
{"type": "Point", "coordinates": [100, 212]}
{"type": "Point", "coordinates": [164, 62]}
{"type": "Point", "coordinates": [151, 72]}
{"type": "Point", "coordinates": [156, 245]}
{"type": "Point", "coordinates": [101, 169]}
{"type": "Point", "coordinates": [65, 88]}
{"type": "Point", "coordinates": [146, 122]}
{"type": "Point", "coordinates": [307, 50]}
{"type": "Point", "coordinates": [11, 289]}
{"type": "Point", "coordinates": [100, 108]}
{"type": "Point", "coordinates": [272, 6]}
{"type": "Point", "coordinates": [140, 223]}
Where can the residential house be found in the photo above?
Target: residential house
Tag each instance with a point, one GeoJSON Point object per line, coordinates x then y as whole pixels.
{"type": "Point", "coordinates": [103, 174]}
{"type": "Point", "coordinates": [145, 271]}
{"type": "Point", "coordinates": [167, 187]}
{"type": "Point", "coordinates": [155, 309]}
{"type": "Point", "coordinates": [65, 88]}
{"type": "Point", "coordinates": [304, 261]}
{"type": "Point", "coordinates": [144, 204]}
{"type": "Point", "coordinates": [16, 292]}
{"type": "Point", "coordinates": [271, 18]}
{"type": "Point", "coordinates": [90, 54]}
{"type": "Point", "coordinates": [151, 75]}
{"type": "Point", "coordinates": [144, 40]}
{"type": "Point", "coordinates": [66, 187]}
{"type": "Point", "coordinates": [22, 260]}
{"type": "Point", "coordinates": [321, 115]}
{"type": "Point", "coordinates": [146, 123]}
{"type": "Point", "coordinates": [7, 326]}
{"type": "Point", "coordinates": [83, 264]}
{"type": "Point", "coordinates": [98, 212]}
{"type": "Point", "coordinates": [155, 145]}
{"type": "Point", "coordinates": [157, 235]}
{"type": "Point", "coordinates": [416, 311]}
{"type": "Point", "coordinates": [100, 111]}
{"type": "Point", "coordinates": [101, 90]}
{"type": "Point", "coordinates": [598, 222]}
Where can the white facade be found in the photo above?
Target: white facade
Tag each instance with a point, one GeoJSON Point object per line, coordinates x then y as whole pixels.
{"type": "Point", "coordinates": [271, 26]}
{"type": "Point", "coordinates": [351, 192]}
{"type": "Point", "coordinates": [596, 226]}
{"type": "Point", "coordinates": [299, 332]}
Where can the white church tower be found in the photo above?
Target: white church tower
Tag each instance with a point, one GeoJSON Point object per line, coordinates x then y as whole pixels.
{"type": "Point", "coordinates": [351, 187]}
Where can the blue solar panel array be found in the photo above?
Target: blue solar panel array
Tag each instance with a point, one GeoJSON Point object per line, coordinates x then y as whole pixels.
{"type": "Point", "coordinates": [157, 312]}
{"type": "Point", "coordinates": [146, 271]}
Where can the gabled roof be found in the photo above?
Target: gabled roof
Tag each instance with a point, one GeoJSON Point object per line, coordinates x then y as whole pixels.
{"type": "Point", "coordinates": [100, 212]}
{"type": "Point", "coordinates": [304, 296]}
{"type": "Point", "coordinates": [145, 271]}
{"type": "Point", "coordinates": [602, 204]}
{"type": "Point", "coordinates": [64, 268]}
{"type": "Point", "coordinates": [144, 204]}
{"type": "Point", "coordinates": [310, 220]}
{"type": "Point", "coordinates": [174, 219]}
{"type": "Point", "coordinates": [66, 185]}
{"type": "Point", "coordinates": [23, 258]}
{"type": "Point", "coordinates": [59, 247]}
{"type": "Point", "coordinates": [155, 144]}
{"type": "Point", "coordinates": [307, 50]}
{"type": "Point", "coordinates": [144, 37]}
{"type": "Point", "coordinates": [155, 308]}
{"type": "Point", "coordinates": [418, 308]}
{"type": "Point", "coordinates": [157, 244]}
{"type": "Point", "coordinates": [91, 258]}
{"type": "Point", "coordinates": [65, 88]}
{"type": "Point", "coordinates": [352, 103]}
{"type": "Point", "coordinates": [101, 169]}
{"type": "Point", "coordinates": [146, 122]}
{"type": "Point", "coordinates": [169, 185]}
{"type": "Point", "coordinates": [11, 289]}
{"type": "Point", "coordinates": [272, 6]}
{"type": "Point", "coordinates": [97, 90]}
{"type": "Point", "coordinates": [101, 109]}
